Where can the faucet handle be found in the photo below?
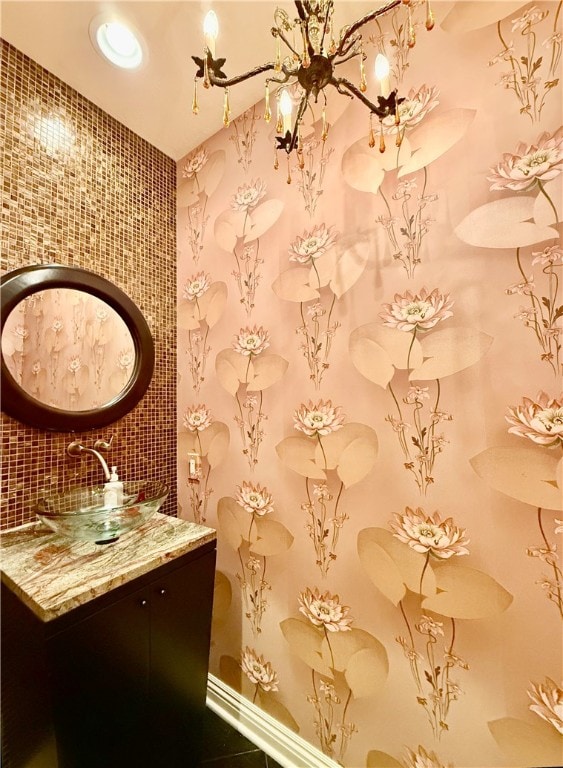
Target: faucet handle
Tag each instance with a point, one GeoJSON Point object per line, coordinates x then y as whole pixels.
{"type": "Point", "coordinates": [103, 445]}
{"type": "Point", "coordinates": [74, 448]}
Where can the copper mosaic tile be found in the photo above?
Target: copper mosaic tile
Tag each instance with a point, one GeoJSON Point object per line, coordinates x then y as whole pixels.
{"type": "Point", "coordinates": [81, 189]}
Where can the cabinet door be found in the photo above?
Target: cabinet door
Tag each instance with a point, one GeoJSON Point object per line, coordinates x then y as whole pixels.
{"type": "Point", "coordinates": [181, 606]}
{"type": "Point", "coordinates": [100, 670]}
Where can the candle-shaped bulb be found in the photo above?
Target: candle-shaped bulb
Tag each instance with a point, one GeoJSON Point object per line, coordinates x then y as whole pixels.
{"type": "Point", "coordinates": [285, 111]}
{"type": "Point", "coordinates": [382, 74]}
{"type": "Point", "coordinates": [210, 31]}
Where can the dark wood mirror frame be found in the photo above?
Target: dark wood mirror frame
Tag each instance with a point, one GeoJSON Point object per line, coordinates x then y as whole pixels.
{"type": "Point", "coordinates": [19, 284]}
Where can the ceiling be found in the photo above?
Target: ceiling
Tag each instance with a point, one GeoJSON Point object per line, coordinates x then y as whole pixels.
{"type": "Point", "coordinates": [155, 101]}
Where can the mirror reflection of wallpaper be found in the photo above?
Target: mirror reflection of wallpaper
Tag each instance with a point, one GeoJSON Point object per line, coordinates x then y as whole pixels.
{"type": "Point", "coordinates": [380, 415]}
{"type": "Point", "coordinates": [68, 349]}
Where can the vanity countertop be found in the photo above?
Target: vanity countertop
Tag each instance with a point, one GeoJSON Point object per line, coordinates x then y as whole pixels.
{"type": "Point", "coordinates": [53, 575]}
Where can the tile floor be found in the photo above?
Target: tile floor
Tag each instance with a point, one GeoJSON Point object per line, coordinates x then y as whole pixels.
{"type": "Point", "coordinates": [225, 747]}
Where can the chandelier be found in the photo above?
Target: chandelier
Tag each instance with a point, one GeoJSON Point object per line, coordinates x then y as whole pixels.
{"type": "Point", "coordinates": [308, 67]}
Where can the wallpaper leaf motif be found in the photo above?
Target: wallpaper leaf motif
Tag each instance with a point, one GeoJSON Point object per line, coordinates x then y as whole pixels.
{"type": "Point", "coordinates": [525, 474]}
{"type": "Point", "coordinates": [504, 223]}
{"type": "Point", "coordinates": [465, 593]}
{"type": "Point", "coordinates": [392, 567]}
{"type": "Point", "coordinates": [449, 351]}
{"type": "Point", "coordinates": [473, 14]}
{"type": "Point", "coordinates": [526, 742]}
{"type": "Point", "coordinates": [242, 523]}
{"type": "Point", "coordinates": [435, 135]}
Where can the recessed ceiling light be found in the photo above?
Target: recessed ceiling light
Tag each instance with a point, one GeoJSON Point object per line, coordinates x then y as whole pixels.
{"type": "Point", "coordinates": [117, 41]}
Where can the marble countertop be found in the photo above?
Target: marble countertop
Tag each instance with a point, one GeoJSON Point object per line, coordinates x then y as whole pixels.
{"type": "Point", "coordinates": [53, 575]}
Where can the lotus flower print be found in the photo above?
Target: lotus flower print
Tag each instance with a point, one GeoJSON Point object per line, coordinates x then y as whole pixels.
{"type": "Point", "coordinates": [540, 420]}
{"type": "Point", "coordinates": [259, 671]}
{"type": "Point", "coordinates": [430, 534]}
{"type": "Point", "coordinates": [317, 419]}
{"type": "Point", "coordinates": [420, 311]}
{"type": "Point", "coordinates": [324, 610]}
{"type": "Point", "coordinates": [254, 499]}
{"type": "Point", "coordinates": [311, 245]}
{"type": "Point", "coordinates": [196, 286]}
{"type": "Point", "coordinates": [413, 109]}
{"type": "Point", "coordinates": [423, 759]}
{"type": "Point", "coordinates": [248, 196]}
{"type": "Point", "coordinates": [252, 341]}
{"type": "Point", "coordinates": [197, 418]}
{"type": "Point", "coordinates": [539, 162]}
{"type": "Point", "coordinates": [547, 702]}
{"type": "Point", "coordinates": [194, 163]}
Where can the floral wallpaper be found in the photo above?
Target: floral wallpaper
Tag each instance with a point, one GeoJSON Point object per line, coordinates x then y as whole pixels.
{"type": "Point", "coordinates": [370, 373]}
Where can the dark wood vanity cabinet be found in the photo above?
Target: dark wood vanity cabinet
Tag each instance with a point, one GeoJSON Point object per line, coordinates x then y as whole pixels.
{"type": "Point", "coordinates": [116, 683]}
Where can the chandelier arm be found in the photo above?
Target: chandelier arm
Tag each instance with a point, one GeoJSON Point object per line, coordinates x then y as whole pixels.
{"type": "Point", "coordinates": [340, 90]}
{"type": "Point", "coordinates": [364, 20]}
{"type": "Point", "coordinates": [344, 49]}
{"type": "Point", "coordinates": [344, 83]}
{"type": "Point", "coordinates": [300, 10]}
{"type": "Point", "coordinates": [351, 56]}
{"type": "Point", "coordinates": [226, 82]}
{"type": "Point", "coordinates": [279, 82]}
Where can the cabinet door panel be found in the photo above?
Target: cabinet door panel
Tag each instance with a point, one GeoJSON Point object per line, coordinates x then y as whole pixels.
{"type": "Point", "coordinates": [100, 670]}
{"type": "Point", "coordinates": [180, 634]}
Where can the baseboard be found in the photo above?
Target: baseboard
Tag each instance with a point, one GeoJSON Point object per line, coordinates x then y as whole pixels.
{"type": "Point", "coordinates": [279, 742]}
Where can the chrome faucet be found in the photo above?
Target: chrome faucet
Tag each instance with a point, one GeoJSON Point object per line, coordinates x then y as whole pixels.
{"type": "Point", "coordinates": [76, 449]}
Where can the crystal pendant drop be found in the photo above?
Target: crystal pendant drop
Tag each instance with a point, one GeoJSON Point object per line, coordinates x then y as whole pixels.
{"type": "Point", "coordinates": [267, 110]}
{"type": "Point", "coordinates": [429, 16]}
{"type": "Point", "coordinates": [226, 110]}
{"type": "Point", "coordinates": [381, 138]}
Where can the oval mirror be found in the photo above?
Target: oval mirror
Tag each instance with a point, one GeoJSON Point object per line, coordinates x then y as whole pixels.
{"type": "Point", "coordinates": [77, 354]}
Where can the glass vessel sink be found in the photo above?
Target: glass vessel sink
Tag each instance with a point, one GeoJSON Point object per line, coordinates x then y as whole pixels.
{"type": "Point", "coordinates": [80, 513]}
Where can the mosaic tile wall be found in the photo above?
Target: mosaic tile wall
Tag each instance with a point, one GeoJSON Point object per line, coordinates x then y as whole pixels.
{"type": "Point", "coordinates": [82, 190]}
